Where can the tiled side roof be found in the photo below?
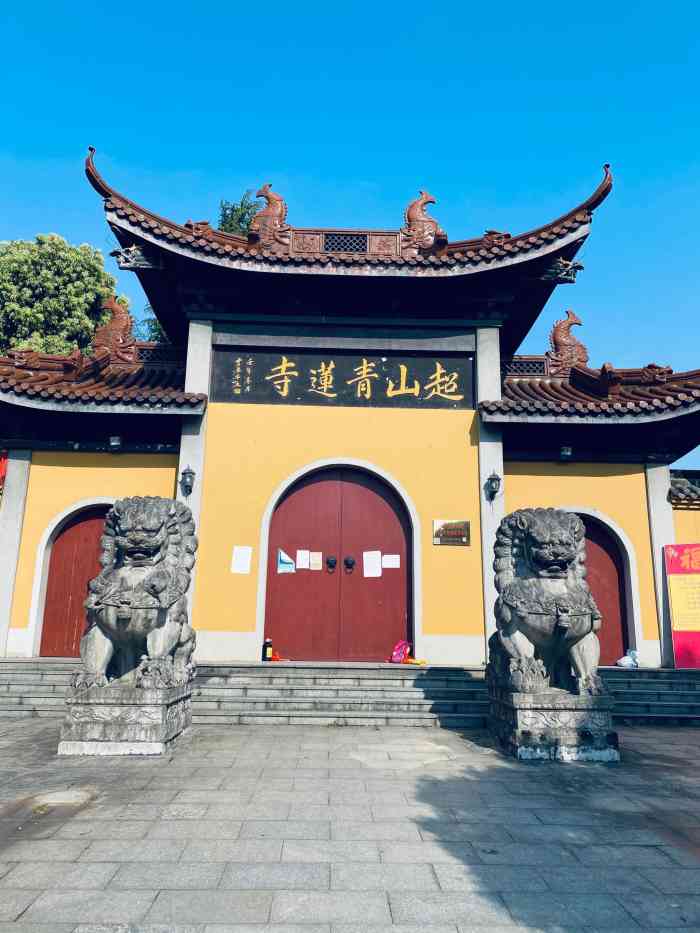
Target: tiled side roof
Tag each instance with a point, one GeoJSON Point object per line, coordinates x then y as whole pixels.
{"type": "Point", "coordinates": [300, 249]}
{"type": "Point", "coordinates": [120, 371]}
{"type": "Point", "coordinates": [685, 489]}
{"type": "Point", "coordinates": [603, 394]}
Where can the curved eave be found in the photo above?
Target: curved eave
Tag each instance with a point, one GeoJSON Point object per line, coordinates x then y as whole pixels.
{"type": "Point", "coordinates": [583, 212]}
{"type": "Point", "coordinates": [463, 257]}
{"type": "Point", "coordinates": [104, 407]}
{"type": "Point", "coordinates": [573, 417]}
{"type": "Point", "coordinates": [264, 262]}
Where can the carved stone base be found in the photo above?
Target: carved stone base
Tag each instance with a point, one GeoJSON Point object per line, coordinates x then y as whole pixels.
{"type": "Point", "coordinates": [553, 726]}
{"type": "Point", "coordinates": [120, 720]}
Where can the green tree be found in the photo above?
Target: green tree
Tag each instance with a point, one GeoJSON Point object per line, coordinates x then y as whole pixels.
{"type": "Point", "coordinates": [236, 216]}
{"type": "Point", "coordinates": [149, 328]}
{"type": "Point", "coordinates": [51, 294]}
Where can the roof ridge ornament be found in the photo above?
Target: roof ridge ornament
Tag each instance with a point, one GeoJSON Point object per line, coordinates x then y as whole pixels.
{"type": "Point", "coordinates": [422, 233]}
{"type": "Point", "coordinates": [566, 351]}
{"type": "Point", "coordinates": [115, 338]}
{"type": "Point", "coordinates": [269, 225]}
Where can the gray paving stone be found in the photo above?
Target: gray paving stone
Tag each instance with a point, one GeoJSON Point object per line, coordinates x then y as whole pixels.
{"type": "Point", "coordinates": [211, 907]}
{"type": "Point", "coordinates": [40, 875]}
{"type": "Point", "coordinates": [518, 853]}
{"type": "Point", "coordinates": [398, 928]}
{"type": "Point", "coordinates": [577, 909]}
{"type": "Point", "coordinates": [674, 880]}
{"type": "Point", "coordinates": [133, 850]}
{"type": "Point", "coordinates": [14, 902]}
{"type": "Point", "coordinates": [195, 829]}
{"type": "Point", "coordinates": [272, 810]}
{"type": "Point", "coordinates": [169, 876]}
{"type": "Point", "coordinates": [624, 856]}
{"type": "Point", "coordinates": [367, 877]}
{"type": "Point", "coordinates": [663, 910]}
{"type": "Point", "coordinates": [305, 850]}
{"type": "Point", "coordinates": [42, 828]}
{"type": "Point", "coordinates": [279, 876]}
{"type": "Point", "coordinates": [449, 908]}
{"type": "Point", "coordinates": [104, 829]}
{"type": "Point", "coordinates": [454, 877]}
{"type": "Point", "coordinates": [4, 868]}
{"type": "Point", "coordinates": [285, 829]}
{"type": "Point", "coordinates": [334, 906]}
{"type": "Point", "coordinates": [29, 927]}
{"type": "Point", "coordinates": [483, 833]}
{"type": "Point", "coordinates": [231, 850]}
{"type": "Point", "coordinates": [269, 928]}
{"type": "Point", "coordinates": [335, 814]}
{"type": "Point", "coordinates": [48, 850]}
{"type": "Point", "coordinates": [592, 880]}
{"type": "Point", "coordinates": [687, 857]}
{"type": "Point", "coordinates": [426, 852]}
{"type": "Point", "coordinates": [85, 906]}
{"type": "Point", "coordinates": [388, 831]}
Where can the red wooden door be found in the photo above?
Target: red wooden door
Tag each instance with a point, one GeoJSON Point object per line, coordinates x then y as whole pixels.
{"type": "Point", "coordinates": [606, 580]}
{"type": "Point", "coordinates": [338, 614]}
{"type": "Point", "coordinates": [73, 563]}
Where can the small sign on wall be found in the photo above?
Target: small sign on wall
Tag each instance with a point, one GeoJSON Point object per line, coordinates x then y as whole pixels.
{"type": "Point", "coordinates": [451, 531]}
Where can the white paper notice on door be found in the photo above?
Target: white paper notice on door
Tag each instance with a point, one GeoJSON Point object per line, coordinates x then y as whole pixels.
{"type": "Point", "coordinates": [240, 560]}
{"type": "Point", "coordinates": [303, 560]}
{"type": "Point", "coordinates": [285, 564]}
{"type": "Point", "coordinates": [316, 560]}
{"type": "Point", "coordinates": [391, 561]}
{"type": "Point", "coordinates": [371, 563]}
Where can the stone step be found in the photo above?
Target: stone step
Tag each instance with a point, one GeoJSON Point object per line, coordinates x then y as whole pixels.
{"type": "Point", "coordinates": [450, 721]}
{"type": "Point", "coordinates": [360, 693]}
{"type": "Point", "coordinates": [333, 706]}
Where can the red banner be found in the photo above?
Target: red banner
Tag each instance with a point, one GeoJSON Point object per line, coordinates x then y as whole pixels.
{"type": "Point", "coordinates": [683, 578]}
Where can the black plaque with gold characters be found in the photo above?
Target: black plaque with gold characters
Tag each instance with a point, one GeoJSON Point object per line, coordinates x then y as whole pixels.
{"type": "Point", "coordinates": [330, 378]}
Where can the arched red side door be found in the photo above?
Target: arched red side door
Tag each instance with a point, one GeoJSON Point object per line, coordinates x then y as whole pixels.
{"type": "Point", "coordinates": [339, 612]}
{"type": "Point", "coordinates": [74, 561]}
{"type": "Point", "coordinates": [606, 578]}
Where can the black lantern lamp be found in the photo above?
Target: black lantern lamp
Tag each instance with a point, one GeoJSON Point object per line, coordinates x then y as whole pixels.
{"type": "Point", "coordinates": [187, 481]}
{"type": "Point", "coordinates": [492, 486]}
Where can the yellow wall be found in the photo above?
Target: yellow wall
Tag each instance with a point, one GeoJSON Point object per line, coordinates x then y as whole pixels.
{"type": "Point", "coordinates": [618, 491]}
{"type": "Point", "coordinates": [687, 525]}
{"type": "Point", "coordinates": [57, 480]}
{"type": "Point", "coordinates": [251, 449]}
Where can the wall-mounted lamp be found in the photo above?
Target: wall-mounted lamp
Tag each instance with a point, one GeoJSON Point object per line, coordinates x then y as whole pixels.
{"type": "Point", "coordinates": [115, 442]}
{"type": "Point", "coordinates": [492, 486]}
{"type": "Point", "coordinates": [566, 453]}
{"type": "Point", "coordinates": [187, 481]}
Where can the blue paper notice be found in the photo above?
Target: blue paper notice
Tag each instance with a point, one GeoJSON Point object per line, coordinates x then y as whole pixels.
{"type": "Point", "coordinates": [285, 564]}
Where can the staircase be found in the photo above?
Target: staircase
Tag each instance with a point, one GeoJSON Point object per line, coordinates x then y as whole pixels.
{"type": "Point", "coordinates": [309, 693]}
{"type": "Point", "coordinates": [663, 697]}
{"type": "Point", "coordinates": [305, 693]}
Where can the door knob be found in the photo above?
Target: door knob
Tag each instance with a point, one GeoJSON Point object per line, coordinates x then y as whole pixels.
{"type": "Point", "coordinates": [349, 562]}
{"type": "Point", "coordinates": [331, 563]}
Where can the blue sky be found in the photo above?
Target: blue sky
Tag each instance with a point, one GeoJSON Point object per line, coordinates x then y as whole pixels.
{"type": "Point", "coordinates": [504, 112]}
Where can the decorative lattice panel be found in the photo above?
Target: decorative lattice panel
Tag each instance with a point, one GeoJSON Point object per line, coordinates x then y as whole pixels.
{"type": "Point", "coordinates": [523, 367]}
{"type": "Point", "coordinates": [345, 242]}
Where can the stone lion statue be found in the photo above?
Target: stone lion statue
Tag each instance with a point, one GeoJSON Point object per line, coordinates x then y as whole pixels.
{"type": "Point", "coordinates": [138, 632]}
{"type": "Point", "coordinates": [546, 616]}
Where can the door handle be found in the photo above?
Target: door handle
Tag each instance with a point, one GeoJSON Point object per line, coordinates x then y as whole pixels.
{"type": "Point", "coordinates": [331, 563]}
{"type": "Point", "coordinates": [349, 563]}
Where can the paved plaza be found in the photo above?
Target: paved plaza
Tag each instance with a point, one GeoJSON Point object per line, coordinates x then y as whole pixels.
{"type": "Point", "coordinates": [339, 830]}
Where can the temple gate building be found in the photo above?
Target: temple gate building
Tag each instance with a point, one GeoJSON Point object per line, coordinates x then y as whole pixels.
{"type": "Point", "coordinates": [347, 416]}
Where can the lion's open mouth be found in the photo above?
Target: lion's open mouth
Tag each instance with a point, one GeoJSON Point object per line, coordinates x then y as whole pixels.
{"type": "Point", "coordinates": [141, 552]}
{"type": "Point", "coordinates": [555, 568]}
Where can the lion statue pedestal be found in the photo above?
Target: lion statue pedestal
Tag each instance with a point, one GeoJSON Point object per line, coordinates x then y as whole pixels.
{"type": "Point", "coordinates": [546, 700]}
{"type": "Point", "coordinates": [133, 695]}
